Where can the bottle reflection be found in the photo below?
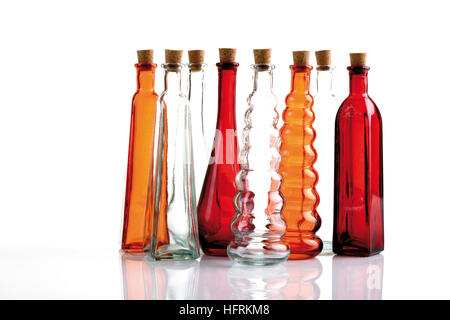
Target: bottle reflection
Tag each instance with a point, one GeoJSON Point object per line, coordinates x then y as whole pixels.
{"type": "Point", "coordinates": [356, 278]}
{"type": "Point", "coordinates": [135, 277]}
{"type": "Point", "coordinates": [218, 278]}
{"type": "Point", "coordinates": [213, 284]}
{"type": "Point", "coordinates": [159, 280]}
{"type": "Point", "coordinates": [292, 280]}
{"type": "Point", "coordinates": [257, 282]}
{"type": "Point", "coordinates": [302, 280]}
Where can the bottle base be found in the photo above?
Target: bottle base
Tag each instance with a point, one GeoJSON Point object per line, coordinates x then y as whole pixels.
{"type": "Point", "coordinates": [356, 251]}
{"type": "Point", "coordinates": [327, 249]}
{"type": "Point", "coordinates": [258, 253]}
{"type": "Point", "coordinates": [179, 254]}
{"type": "Point", "coordinates": [304, 246]}
{"type": "Point", "coordinates": [133, 247]}
{"type": "Point", "coordinates": [214, 248]}
{"type": "Point", "coordinates": [215, 252]}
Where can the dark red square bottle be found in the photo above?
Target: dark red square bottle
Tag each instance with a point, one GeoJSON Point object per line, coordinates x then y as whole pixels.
{"type": "Point", "coordinates": [358, 181]}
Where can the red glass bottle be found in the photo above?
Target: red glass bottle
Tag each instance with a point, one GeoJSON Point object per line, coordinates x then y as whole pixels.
{"type": "Point", "coordinates": [139, 173]}
{"type": "Point", "coordinates": [215, 209]}
{"type": "Point", "coordinates": [358, 180]}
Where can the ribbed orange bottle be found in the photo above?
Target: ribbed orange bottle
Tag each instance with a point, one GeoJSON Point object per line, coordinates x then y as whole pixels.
{"type": "Point", "coordinates": [139, 172]}
{"type": "Point", "coordinates": [296, 168]}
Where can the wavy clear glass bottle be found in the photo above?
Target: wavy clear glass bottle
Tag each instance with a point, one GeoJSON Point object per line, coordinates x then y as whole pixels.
{"type": "Point", "coordinates": [325, 108]}
{"type": "Point", "coordinates": [196, 88]}
{"type": "Point", "coordinates": [257, 224]}
{"type": "Point", "coordinates": [174, 234]}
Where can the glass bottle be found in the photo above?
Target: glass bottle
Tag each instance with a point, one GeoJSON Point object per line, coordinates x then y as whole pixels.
{"type": "Point", "coordinates": [296, 168]}
{"type": "Point", "coordinates": [258, 225]}
{"type": "Point", "coordinates": [143, 112]}
{"type": "Point", "coordinates": [325, 106]}
{"type": "Point", "coordinates": [215, 208]}
{"type": "Point", "coordinates": [358, 179]}
{"type": "Point", "coordinates": [174, 233]}
{"type": "Point", "coordinates": [196, 87]}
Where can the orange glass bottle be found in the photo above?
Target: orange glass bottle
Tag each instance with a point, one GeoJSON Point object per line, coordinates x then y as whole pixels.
{"type": "Point", "coordinates": [296, 168]}
{"type": "Point", "coordinates": [139, 173]}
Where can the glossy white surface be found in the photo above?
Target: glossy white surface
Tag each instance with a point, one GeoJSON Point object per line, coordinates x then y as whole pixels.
{"type": "Point", "coordinates": [67, 79]}
{"type": "Point", "coordinates": [110, 275]}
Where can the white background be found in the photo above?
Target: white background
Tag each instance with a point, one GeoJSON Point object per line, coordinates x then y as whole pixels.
{"type": "Point", "coordinates": [67, 78]}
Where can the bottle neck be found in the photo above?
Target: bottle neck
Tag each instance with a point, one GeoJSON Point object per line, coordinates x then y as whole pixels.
{"type": "Point", "coordinates": [263, 77]}
{"type": "Point", "coordinates": [196, 84]}
{"type": "Point", "coordinates": [172, 77]}
{"type": "Point", "coordinates": [358, 80]}
{"type": "Point", "coordinates": [300, 79]}
{"type": "Point", "coordinates": [325, 80]}
{"type": "Point", "coordinates": [145, 77]}
{"type": "Point", "coordinates": [226, 116]}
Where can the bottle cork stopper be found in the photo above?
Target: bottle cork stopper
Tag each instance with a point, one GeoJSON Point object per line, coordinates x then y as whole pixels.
{"type": "Point", "coordinates": [262, 56]}
{"type": "Point", "coordinates": [358, 59]}
{"type": "Point", "coordinates": [323, 57]}
{"type": "Point", "coordinates": [301, 58]}
{"type": "Point", "coordinates": [227, 55]}
{"type": "Point", "coordinates": [173, 56]}
{"type": "Point", "coordinates": [196, 58]}
{"type": "Point", "coordinates": [145, 56]}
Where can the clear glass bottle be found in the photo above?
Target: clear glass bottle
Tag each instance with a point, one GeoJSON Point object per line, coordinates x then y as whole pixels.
{"type": "Point", "coordinates": [325, 107]}
{"type": "Point", "coordinates": [174, 234]}
{"type": "Point", "coordinates": [257, 225]}
{"type": "Point", "coordinates": [143, 111]}
{"type": "Point", "coordinates": [196, 88]}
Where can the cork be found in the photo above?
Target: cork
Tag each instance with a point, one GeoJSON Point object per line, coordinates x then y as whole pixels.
{"type": "Point", "coordinates": [196, 58]}
{"type": "Point", "coordinates": [227, 55]}
{"type": "Point", "coordinates": [262, 56]}
{"type": "Point", "coordinates": [145, 56]}
{"type": "Point", "coordinates": [358, 59]}
{"type": "Point", "coordinates": [301, 58]}
{"type": "Point", "coordinates": [323, 57]}
{"type": "Point", "coordinates": [173, 56]}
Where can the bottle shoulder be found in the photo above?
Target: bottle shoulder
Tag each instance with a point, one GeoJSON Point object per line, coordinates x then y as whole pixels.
{"type": "Point", "coordinates": [358, 105]}
{"type": "Point", "coordinates": [325, 99]}
{"type": "Point", "coordinates": [168, 98]}
{"type": "Point", "coordinates": [145, 93]}
{"type": "Point", "coordinates": [267, 98]}
{"type": "Point", "coordinates": [145, 98]}
{"type": "Point", "coordinates": [294, 99]}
